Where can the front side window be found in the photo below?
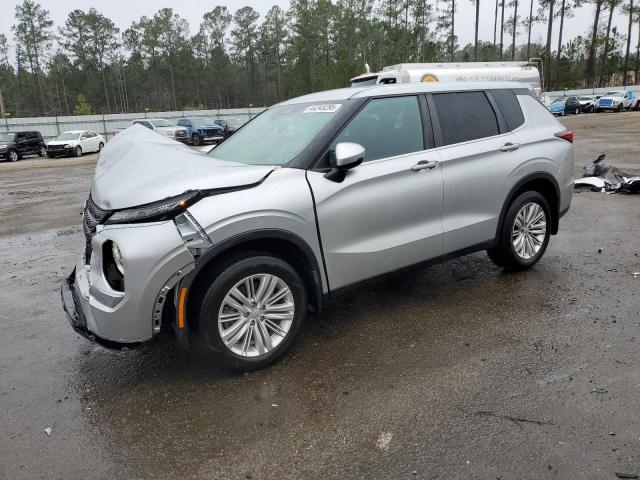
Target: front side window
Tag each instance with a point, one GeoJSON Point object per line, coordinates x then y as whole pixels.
{"type": "Point", "coordinates": [278, 135]}
{"type": "Point", "coordinates": [7, 137]}
{"type": "Point", "coordinates": [386, 127]}
{"type": "Point", "coordinates": [465, 116]}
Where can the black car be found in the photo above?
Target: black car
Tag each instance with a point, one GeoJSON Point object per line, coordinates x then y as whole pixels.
{"type": "Point", "coordinates": [229, 126]}
{"type": "Point", "coordinates": [15, 145]}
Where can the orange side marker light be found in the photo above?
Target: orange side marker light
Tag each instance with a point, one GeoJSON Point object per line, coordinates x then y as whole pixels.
{"type": "Point", "coordinates": [181, 302]}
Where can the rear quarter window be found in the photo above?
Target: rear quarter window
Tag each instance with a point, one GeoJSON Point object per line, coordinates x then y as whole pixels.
{"type": "Point", "coordinates": [465, 116]}
{"type": "Point", "coordinates": [509, 107]}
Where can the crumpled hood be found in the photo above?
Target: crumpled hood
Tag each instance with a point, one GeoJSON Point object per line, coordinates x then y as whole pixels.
{"type": "Point", "coordinates": [139, 166]}
{"type": "Point", "coordinates": [62, 142]}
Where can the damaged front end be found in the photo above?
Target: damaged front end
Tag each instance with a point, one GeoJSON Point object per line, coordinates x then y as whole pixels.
{"type": "Point", "coordinates": [135, 255]}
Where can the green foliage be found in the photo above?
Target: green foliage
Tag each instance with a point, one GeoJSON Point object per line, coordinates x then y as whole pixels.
{"type": "Point", "coordinates": [236, 58]}
{"type": "Point", "coordinates": [82, 106]}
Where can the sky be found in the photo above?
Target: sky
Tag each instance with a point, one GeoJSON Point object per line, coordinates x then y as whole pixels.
{"type": "Point", "coordinates": [124, 12]}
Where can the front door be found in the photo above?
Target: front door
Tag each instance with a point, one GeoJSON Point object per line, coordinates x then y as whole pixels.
{"type": "Point", "coordinates": [386, 213]}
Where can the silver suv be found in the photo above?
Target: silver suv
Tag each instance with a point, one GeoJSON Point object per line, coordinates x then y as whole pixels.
{"type": "Point", "coordinates": [232, 249]}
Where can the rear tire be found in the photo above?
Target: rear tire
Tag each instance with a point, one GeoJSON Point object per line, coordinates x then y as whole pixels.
{"type": "Point", "coordinates": [525, 233]}
{"type": "Point", "coordinates": [266, 335]}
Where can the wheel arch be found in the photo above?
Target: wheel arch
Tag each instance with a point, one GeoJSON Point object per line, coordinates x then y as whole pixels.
{"type": "Point", "coordinates": [280, 243]}
{"type": "Point", "coordinates": [541, 182]}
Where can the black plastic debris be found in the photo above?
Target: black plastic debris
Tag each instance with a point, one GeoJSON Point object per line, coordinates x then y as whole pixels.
{"type": "Point", "coordinates": [594, 178]}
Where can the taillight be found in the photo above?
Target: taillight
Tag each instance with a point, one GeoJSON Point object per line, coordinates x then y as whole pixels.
{"type": "Point", "coordinates": [565, 135]}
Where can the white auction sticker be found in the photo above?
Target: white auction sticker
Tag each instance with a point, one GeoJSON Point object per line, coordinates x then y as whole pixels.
{"type": "Point", "coordinates": [323, 108]}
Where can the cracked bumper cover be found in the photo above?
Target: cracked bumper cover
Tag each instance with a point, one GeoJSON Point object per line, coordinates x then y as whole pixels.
{"type": "Point", "coordinates": [155, 258]}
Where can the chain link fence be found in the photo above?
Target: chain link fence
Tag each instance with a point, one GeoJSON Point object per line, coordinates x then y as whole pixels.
{"type": "Point", "coordinates": [51, 127]}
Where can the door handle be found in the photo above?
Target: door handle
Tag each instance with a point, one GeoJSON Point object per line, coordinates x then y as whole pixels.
{"type": "Point", "coordinates": [509, 147]}
{"type": "Point", "coordinates": [424, 165]}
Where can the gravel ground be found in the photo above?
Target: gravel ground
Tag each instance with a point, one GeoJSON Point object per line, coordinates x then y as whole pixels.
{"type": "Point", "coordinates": [456, 371]}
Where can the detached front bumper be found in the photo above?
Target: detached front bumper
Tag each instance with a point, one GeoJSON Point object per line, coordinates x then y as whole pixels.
{"type": "Point", "coordinates": [75, 315]}
{"type": "Point", "coordinates": [155, 259]}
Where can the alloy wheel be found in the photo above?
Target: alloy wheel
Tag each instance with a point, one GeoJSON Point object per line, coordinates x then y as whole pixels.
{"type": "Point", "coordinates": [256, 315]}
{"type": "Point", "coordinates": [13, 156]}
{"type": "Point", "coordinates": [529, 230]}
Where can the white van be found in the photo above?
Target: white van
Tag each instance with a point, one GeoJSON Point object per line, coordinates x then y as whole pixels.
{"type": "Point", "coordinates": [523, 72]}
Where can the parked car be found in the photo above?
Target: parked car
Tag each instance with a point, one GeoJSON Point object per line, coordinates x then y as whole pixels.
{"type": "Point", "coordinates": [617, 100]}
{"type": "Point", "coordinates": [312, 197]}
{"type": "Point", "coordinates": [75, 142]}
{"type": "Point", "coordinates": [587, 103]}
{"type": "Point", "coordinates": [202, 130]}
{"type": "Point", "coordinates": [165, 127]}
{"type": "Point", "coordinates": [564, 105]}
{"type": "Point", "coordinates": [230, 125]}
{"type": "Point", "coordinates": [15, 145]}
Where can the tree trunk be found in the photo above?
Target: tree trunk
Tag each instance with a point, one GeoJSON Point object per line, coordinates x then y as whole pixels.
{"type": "Point", "coordinates": [495, 25]}
{"type": "Point", "coordinates": [475, 47]}
{"type": "Point", "coordinates": [453, 20]}
{"type": "Point", "coordinates": [529, 33]}
{"type": "Point", "coordinates": [515, 32]}
{"type": "Point", "coordinates": [636, 77]}
{"type": "Point", "coordinates": [547, 53]}
{"type": "Point", "coordinates": [592, 46]}
{"type": "Point", "coordinates": [625, 73]}
{"type": "Point", "coordinates": [502, 29]}
{"type": "Point", "coordinates": [558, 55]}
{"type": "Point", "coordinates": [106, 93]}
{"type": "Point", "coordinates": [605, 59]}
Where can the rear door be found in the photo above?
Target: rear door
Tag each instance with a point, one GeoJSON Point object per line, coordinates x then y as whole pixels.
{"type": "Point", "coordinates": [386, 213]}
{"type": "Point", "coordinates": [479, 154]}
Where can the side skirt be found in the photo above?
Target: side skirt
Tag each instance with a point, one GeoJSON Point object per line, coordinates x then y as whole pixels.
{"type": "Point", "coordinates": [417, 266]}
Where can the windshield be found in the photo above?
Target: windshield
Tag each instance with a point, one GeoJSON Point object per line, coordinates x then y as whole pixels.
{"type": "Point", "coordinates": [161, 123]}
{"type": "Point", "coordinates": [615, 94]}
{"type": "Point", "coordinates": [363, 82]}
{"type": "Point", "coordinates": [68, 136]}
{"type": "Point", "coordinates": [7, 137]}
{"type": "Point", "coordinates": [201, 122]}
{"type": "Point", "coordinates": [278, 135]}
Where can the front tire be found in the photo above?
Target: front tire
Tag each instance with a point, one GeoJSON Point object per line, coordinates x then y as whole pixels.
{"type": "Point", "coordinates": [13, 156]}
{"type": "Point", "coordinates": [251, 313]}
{"type": "Point", "coordinates": [620, 108]}
{"type": "Point", "coordinates": [197, 140]}
{"type": "Point", "coordinates": [42, 152]}
{"type": "Point", "coordinates": [77, 152]}
{"type": "Point", "coordinates": [524, 234]}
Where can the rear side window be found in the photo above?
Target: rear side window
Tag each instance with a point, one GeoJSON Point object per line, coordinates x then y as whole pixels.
{"type": "Point", "coordinates": [386, 127]}
{"type": "Point", "coordinates": [465, 116]}
{"type": "Point", "coordinates": [509, 106]}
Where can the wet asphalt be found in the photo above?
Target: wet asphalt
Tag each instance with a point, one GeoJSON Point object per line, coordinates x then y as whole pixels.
{"type": "Point", "coordinates": [455, 371]}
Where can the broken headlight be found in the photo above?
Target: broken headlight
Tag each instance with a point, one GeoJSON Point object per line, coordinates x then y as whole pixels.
{"type": "Point", "coordinates": [165, 209]}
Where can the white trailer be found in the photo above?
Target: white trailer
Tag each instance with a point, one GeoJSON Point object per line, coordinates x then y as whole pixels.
{"type": "Point", "coordinates": [524, 72]}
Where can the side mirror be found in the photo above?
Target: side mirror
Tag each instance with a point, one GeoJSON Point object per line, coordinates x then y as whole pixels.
{"type": "Point", "coordinates": [346, 156]}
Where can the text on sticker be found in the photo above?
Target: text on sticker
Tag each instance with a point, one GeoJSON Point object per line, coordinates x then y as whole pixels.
{"type": "Point", "coordinates": [323, 108]}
